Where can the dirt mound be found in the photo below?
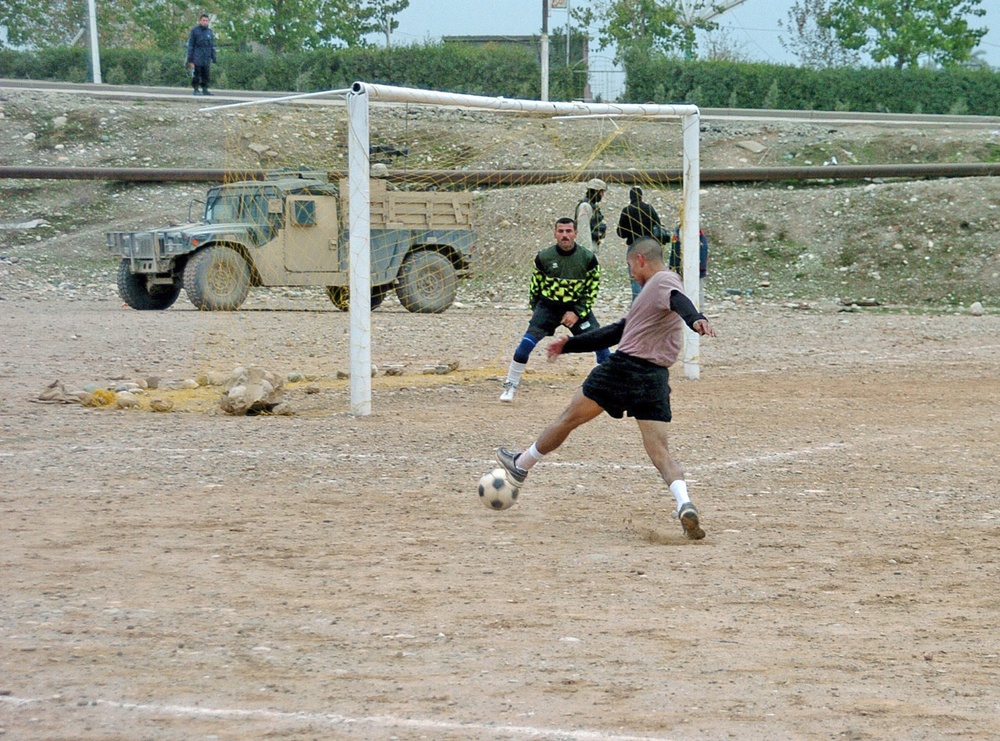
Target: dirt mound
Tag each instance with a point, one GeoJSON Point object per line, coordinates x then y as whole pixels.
{"type": "Point", "coordinates": [920, 244]}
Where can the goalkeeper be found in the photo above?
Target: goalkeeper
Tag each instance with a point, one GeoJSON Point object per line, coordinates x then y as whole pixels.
{"type": "Point", "coordinates": [563, 287]}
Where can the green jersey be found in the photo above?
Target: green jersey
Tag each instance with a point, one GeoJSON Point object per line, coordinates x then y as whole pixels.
{"type": "Point", "coordinates": [571, 279]}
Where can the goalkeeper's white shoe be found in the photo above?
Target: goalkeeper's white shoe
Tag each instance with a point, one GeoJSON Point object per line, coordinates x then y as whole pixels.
{"type": "Point", "coordinates": [508, 391]}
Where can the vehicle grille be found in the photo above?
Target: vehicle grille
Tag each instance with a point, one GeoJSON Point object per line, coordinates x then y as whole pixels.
{"type": "Point", "coordinates": [135, 245]}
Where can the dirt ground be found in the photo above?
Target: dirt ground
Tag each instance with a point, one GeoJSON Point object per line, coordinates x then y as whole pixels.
{"type": "Point", "coordinates": [195, 575]}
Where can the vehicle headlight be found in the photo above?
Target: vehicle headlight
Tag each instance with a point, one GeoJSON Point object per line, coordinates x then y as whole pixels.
{"type": "Point", "coordinates": [173, 245]}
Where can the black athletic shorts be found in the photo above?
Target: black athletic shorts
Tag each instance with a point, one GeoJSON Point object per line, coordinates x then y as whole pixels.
{"type": "Point", "coordinates": [625, 384]}
{"type": "Point", "coordinates": [546, 319]}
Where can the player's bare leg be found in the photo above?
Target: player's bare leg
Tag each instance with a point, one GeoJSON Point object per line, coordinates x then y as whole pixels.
{"type": "Point", "coordinates": [654, 439]}
{"type": "Point", "coordinates": [517, 463]}
{"type": "Point", "coordinates": [580, 411]}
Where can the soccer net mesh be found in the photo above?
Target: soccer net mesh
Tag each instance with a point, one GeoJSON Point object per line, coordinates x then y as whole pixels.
{"type": "Point", "coordinates": [464, 191]}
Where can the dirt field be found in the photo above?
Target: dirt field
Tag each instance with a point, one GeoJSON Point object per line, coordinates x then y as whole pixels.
{"type": "Point", "coordinates": [194, 575]}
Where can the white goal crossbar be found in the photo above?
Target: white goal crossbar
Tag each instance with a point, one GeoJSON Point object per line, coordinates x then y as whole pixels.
{"type": "Point", "coordinates": [360, 97]}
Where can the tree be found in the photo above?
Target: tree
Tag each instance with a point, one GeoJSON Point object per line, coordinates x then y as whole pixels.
{"type": "Point", "coordinates": [383, 16]}
{"type": "Point", "coordinates": [644, 26]}
{"type": "Point", "coordinates": [815, 44]}
{"type": "Point", "coordinates": [67, 22]}
{"type": "Point", "coordinates": [278, 25]}
{"type": "Point", "coordinates": [978, 60]}
{"type": "Point", "coordinates": [905, 30]}
{"type": "Point", "coordinates": [721, 47]}
{"type": "Point", "coordinates": [292, 25]}
{"type": "Point", "coordinates": [35, 24]}
{"type": "Point", "coordinates": [164, 24]}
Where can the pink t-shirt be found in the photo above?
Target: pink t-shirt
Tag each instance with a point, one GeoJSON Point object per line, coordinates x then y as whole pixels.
{"type": "Point", "coordinates": [653, 331]}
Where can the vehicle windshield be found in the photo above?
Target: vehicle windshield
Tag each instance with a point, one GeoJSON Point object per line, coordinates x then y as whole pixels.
{"type": "Point", "coordinates": [224, 207]}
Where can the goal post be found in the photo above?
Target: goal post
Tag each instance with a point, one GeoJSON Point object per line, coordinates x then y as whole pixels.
{"type": "Point", "coordinates": [363, 95]}
{"type": "Point", "coordinates": [690, 236]}
{"type": "Point", "coordinates": [359, 231]}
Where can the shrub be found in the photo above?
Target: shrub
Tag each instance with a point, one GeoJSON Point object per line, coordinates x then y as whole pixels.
{"type": "Point", "coordinates": [718, 83]}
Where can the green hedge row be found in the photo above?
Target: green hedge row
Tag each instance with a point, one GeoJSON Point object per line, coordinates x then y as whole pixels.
{"type": "Point", "coordinates": [499, 69]}
{"type": "Point", "coordinates": [876, 89]}
{"type": "Point", "coordinates": [513, 72]}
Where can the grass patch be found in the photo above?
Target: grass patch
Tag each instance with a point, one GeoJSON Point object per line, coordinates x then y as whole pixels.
{"type": "Point", "coordinates": [893, 150]}
{"type": "Point", "coordinates": [75, 127]}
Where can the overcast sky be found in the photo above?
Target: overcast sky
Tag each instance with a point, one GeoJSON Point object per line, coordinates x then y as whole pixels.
{"type": "Point", "coordinates": [751, 27]}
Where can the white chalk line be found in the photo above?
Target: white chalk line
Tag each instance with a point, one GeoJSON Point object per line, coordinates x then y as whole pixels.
{"type": "Point", "coordinates": [775, 456]}
{"type": "Point", "coordinates": [860, 360]}
{"type": "Point", "coordinates": [764, 457]}
{"type": "Point", "coordinates": [378, 721]}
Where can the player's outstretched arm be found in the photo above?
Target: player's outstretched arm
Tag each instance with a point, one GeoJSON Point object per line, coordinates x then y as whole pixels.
{"type": "Point", "coordinates": [701, 326]}
{"type": "Point", "coordinates": [595, 339]}
{"type": "Point", "coordinates": [555, 348]}
{"type": "Point", "coordinates": [691, 316]}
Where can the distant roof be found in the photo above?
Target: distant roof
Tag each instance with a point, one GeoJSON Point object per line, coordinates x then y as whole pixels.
{"type": "Point", "coordinates": [490, 39]}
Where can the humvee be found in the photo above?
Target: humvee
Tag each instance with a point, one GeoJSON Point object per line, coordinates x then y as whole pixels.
{"type": "Point", "coordinates": [292, 230]}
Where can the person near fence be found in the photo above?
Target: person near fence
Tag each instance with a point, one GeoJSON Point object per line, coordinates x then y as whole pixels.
{"type": "Point", "coordinates": [634, 380]}
{"type": "Point", "coordinates": [201, 54]}
{"type": "Point", "coordinates": [638, 219]}
{"type": "Point", "coordinates": [562, 290]}
{"type": "Point", "coordinates": [590, 223]}
{"type": "Point", "coordinates": [677, 262]}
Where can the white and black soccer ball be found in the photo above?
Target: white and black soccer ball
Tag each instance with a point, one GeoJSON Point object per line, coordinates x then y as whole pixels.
{"type": "Point", "coordinates": [496, 492]}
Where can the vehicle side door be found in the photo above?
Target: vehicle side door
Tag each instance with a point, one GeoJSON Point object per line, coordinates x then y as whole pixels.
{"type": "Point", "coordinates": [310, 234]}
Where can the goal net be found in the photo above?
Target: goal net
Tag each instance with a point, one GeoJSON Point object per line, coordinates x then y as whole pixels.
{"type": "Point", "coordinates": [444, 199]}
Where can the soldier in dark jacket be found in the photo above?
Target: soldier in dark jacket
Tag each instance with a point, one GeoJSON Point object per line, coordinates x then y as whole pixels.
{"type": "Point", "coordinates": [200, 54]}
{"type": "Point", "coordinates": [676, 260]}
{"type": "Point", "coordinates": [638, 219]}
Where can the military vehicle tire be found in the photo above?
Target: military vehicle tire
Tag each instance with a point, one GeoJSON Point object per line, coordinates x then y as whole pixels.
{"type": "Point", "coordinates": [134, 291]}
{"type": "Point", "coordinates": [341, 296]}
{"type": "Point", "coordinates": [427, 283]}
{"type": "Point", "coordinates": [378, 295]}
{"type": "Point", "coordinates": [217, 279]}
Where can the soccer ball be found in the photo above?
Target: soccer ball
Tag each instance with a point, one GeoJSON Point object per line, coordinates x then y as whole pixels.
{"type": "Point", "coordinates": [495, 491]}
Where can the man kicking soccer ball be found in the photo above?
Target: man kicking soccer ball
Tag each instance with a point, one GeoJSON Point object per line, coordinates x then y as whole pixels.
{"type": "Point", "coordinates": [634, 380]}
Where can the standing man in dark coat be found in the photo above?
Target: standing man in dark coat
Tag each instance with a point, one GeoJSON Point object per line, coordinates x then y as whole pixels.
{"type": "Point", "coordinates": [201, 54]}
{"type": "Point", "coordinates": [638, 219]}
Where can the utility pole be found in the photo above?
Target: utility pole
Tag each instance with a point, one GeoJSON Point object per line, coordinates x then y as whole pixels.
{"type": "Point", "coordinates": [545, 50]}
{"type": "Point", "coordinates": [569, 32]}
{"type": "Point", "coordinates": [95, 54]}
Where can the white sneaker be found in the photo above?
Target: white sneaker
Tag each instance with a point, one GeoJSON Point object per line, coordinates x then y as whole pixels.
{"type": "Point", "coordinates": [508, 391]}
